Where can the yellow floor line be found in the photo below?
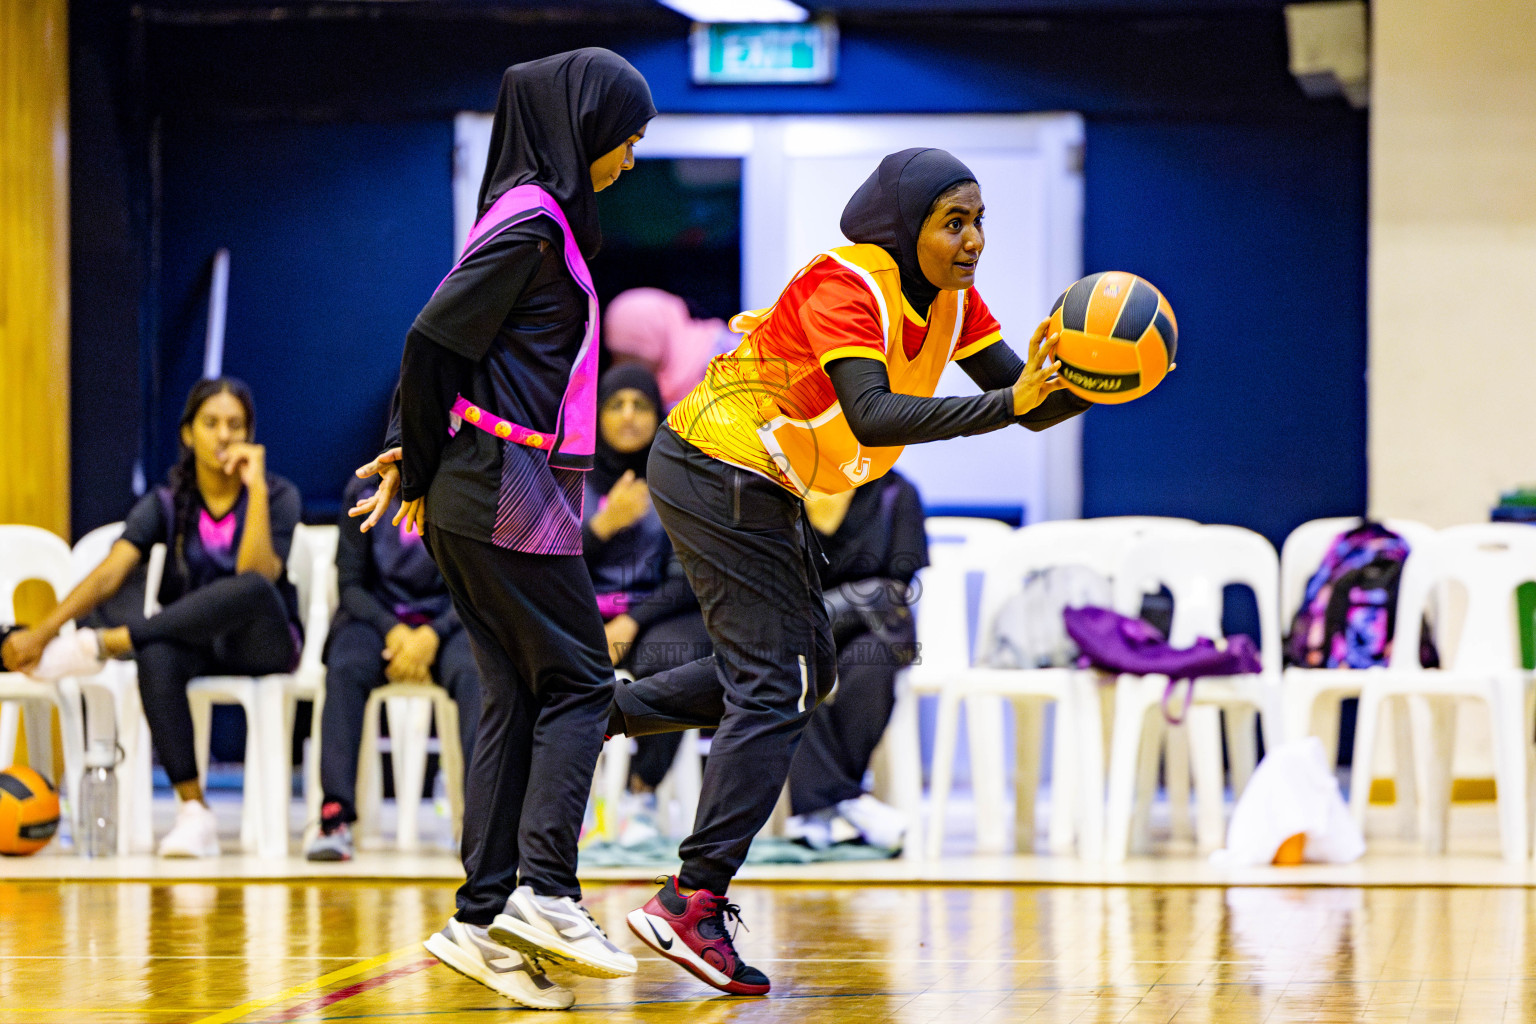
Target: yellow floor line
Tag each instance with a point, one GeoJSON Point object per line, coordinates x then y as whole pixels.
{"type": "Point", "coordinates": [362, 966]}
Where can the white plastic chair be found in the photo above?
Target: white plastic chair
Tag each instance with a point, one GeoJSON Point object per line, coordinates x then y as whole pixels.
{"type": "Point", "coordinates": [1311, 697]}
{"type": "Point", "coordinates": [1488, 560]}
{"type": "Point", "coordinates": [943, 638]}
{"type": "Point", "coordinates": [410, 707]}
{"type": "Point", "coordinates": [268, 774]}
{"type": "Point", "coordinates": [1194, 564]}
{"type": "Point", "coordinates": [115, 714]}
{"type": "Point", "coordinates": [308, 680]}
{"type": "Point", "coordinates": [1033, 549]}
{"type": "Point", "coordinates": [32, 553]}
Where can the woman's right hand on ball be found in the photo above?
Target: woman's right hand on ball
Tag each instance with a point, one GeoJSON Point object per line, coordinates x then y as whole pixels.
{"type": "Point", "coordinates": [1039, 380]}
{"type": "Point", "coordinates": [387, 468]}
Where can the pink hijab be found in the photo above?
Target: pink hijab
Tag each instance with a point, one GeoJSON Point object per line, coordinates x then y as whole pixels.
{"type": "Point", "coordinates": [652, 327]}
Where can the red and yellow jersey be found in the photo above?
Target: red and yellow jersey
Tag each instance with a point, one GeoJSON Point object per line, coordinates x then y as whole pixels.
{"type": "Point", "coordinates": [770, 407]}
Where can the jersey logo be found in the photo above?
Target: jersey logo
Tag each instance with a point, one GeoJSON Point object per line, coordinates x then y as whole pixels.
{"type": "Point", "coordinates": [856, 469]}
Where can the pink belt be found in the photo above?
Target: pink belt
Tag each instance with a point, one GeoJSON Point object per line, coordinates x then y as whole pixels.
{"type": "Point", "coordinates": [498, 427]}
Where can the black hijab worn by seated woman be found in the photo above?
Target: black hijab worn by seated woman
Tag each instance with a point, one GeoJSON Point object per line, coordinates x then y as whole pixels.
{"type": "Point", "coordinates": [610, 463]}
{"type": "Point", "coordinates": [554, 117]}
{"type": "Point", "coordinates": [888, 210]}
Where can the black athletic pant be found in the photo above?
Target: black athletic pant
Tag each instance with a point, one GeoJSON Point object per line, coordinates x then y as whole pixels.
{"type": "Point", "coordinates": [743, 542]}
{"type": "Point", "coordinates": [664, 645]}
{"type": "Point", "coordinates": [545, 686]}
{"type": "Point", "coordinates": [234, 626]}
{"type": "Point", "coordinates": [844, 732]}
{"type": "Point", "coordinates": [354, 668]}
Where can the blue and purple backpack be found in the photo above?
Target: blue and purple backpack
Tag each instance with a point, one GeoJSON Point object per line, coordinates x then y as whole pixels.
{"type": "Point", "coordinates": [1348, 613]}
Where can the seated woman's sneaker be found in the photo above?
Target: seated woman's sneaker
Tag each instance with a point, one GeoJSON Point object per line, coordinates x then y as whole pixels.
{"type": "Point", "coordinates": [195, 834]}
{"type": "Point", "coordinates": [70, 654]}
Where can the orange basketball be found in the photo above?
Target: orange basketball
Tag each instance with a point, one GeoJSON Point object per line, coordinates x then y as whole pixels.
{"type": "Point", "coordinates": [29, 811]}
{"type": "Point", "coordinates": [1118, 337]}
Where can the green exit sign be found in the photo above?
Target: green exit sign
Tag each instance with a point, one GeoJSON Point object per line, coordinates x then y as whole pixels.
{"type": "Point", "coordinates": [804, 52]}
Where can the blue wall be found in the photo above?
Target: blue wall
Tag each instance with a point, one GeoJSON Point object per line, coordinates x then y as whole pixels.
{"type": "Point", "coordinates": [337, 235]}
{"type": "Point", "coordinates": [318, 150]}
{"type": "Point", "coordinates": [1255, 233]}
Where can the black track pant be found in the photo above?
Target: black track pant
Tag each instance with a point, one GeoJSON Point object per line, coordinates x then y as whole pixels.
{"type": "Point", "coordinates": [665, 645]}
{"type": "Point", "coordinates": [844, 732]}
{"type": "Point", "coordinates": [235, 626]}
{"type": "Point", "coordinates": [742, 541]}
{"type": "Point", "coordinates": [354, 668]}
{"type": "Point", "coordinates": [545, 686]}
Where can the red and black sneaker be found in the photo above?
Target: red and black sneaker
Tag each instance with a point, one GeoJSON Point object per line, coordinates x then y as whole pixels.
{"type": "Point", "coordinates": [691, 931]}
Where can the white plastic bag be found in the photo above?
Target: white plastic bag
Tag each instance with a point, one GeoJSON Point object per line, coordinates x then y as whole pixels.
{"type": "Point", "coordinates": [1028, 632]}
{"type": "Point", "coordinates": [1293, 792]}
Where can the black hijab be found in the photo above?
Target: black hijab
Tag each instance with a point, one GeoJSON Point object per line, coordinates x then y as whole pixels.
{"type": "Point", "coordinates": [888, 210]}
{"type": "Point", "coordinates": [611, 463]}
{"type": "Point", "coordinates": [553, 118]}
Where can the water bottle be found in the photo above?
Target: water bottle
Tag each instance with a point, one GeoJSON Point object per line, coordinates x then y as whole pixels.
{"type": "Point", "coordinates": [98, 802]}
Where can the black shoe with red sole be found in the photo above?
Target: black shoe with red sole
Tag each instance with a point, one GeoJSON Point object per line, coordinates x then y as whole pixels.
{"type": "Point", "coordinates": [691, 931]}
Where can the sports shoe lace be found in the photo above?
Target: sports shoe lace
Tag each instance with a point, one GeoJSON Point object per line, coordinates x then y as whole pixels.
{"type": "Point", "coordinates": [592, 919]}
{"type": "Point", "coordinates": [726, 911]}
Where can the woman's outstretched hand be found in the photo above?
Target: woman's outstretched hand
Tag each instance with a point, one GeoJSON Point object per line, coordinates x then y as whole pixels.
{"type": "Point", "coordinates": [387, 468]}
{"type": "Point", "coordinates": [1039, 380]}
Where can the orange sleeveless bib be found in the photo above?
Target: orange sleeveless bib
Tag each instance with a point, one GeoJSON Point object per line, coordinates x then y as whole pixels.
{"type": "Point", "coordinates": [820, 455]}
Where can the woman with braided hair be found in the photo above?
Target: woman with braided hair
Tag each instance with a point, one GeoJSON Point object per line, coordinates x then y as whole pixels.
{"type": "Point", "coordinates": [227, 605]}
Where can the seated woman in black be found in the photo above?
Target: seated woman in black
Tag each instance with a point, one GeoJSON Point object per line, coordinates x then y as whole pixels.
{"type": "Point", "coordinates": [228, 608]}
{"type": "Point", "coordinates": [874, 541]}
{"type": "Point", "coordinates": [396, 623]}
{"type": "Point", "coordinates": [650, 615]}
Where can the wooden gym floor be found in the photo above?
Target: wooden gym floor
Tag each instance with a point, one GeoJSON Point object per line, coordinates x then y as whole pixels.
{"type": "Point", "coordinates": [239, 953]}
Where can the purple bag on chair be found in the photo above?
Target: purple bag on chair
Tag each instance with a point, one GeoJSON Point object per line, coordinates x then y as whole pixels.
{"type": "Point", "coordinates": [1112, 642]}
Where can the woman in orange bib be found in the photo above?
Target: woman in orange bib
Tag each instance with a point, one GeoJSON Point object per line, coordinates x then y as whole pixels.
{"type": "Point", "coordinates": [820, 396]}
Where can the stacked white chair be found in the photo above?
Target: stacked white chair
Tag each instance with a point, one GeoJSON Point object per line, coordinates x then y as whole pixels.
{"type": "Point", "coordinates": [1489, 561]}
{"type": "Point", "coordinates": [31, 553]}
{"type": "Point", "coordinates": [957, 548]}
{"type": "Point", "coordinates": [1034, 549]}
{"type": "Point", "coordinates": [308, 680]}
{"type": "Point", "coordinates": [114, 713]}
{"type": "Point", "coordinates": [1311, 697]}
{"type": "Point", "coordinates": [411, 708]}
{"type": "Point", "coordinates": [268, 774]}
{"type": "Point", "coordinates": [1195, 564]}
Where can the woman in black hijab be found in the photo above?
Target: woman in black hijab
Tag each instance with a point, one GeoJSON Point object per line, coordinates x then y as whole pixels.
{"type": "Point", "coordinates": [495, 423]}
{"type": "Point", "coordinates": [817, 399]}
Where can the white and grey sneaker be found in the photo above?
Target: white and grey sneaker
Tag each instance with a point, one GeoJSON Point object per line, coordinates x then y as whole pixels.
{"type": "Point", "coordinates": [467, 949]}
{"type": "Point", "coordinates": [879, 823]}
{"type": "Point", "coordinates": [195, 834]}
{"type": "Point", "coordinates": [559, 930]}
{"type": "Point", "coordinates": [70, 654]}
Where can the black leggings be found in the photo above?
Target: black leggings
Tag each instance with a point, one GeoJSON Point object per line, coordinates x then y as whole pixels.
{"type": "Point", "coordinates": [667, 644]}
{"type": "Point", "coordinates": [237, 625]}
{"type": "Point", "coordinates": [743, 542]}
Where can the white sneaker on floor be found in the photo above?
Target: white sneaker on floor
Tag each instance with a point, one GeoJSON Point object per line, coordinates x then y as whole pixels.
{"type": "Point", "coordinates": [559, 930]}
{"type": "Point", "coordinates": [469, 950]}
{"type": "Point", "coordinates": [879, 823]}
{"type": "Point", "coordinates": [195, 834]}
{"type": "Point", "coordinates": [69, 654]}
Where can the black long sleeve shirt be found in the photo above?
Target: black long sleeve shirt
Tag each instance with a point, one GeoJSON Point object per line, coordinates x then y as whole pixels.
{"type": "Point", "coordinates": [882, 418]}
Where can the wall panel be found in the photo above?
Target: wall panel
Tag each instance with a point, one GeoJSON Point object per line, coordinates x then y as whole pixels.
{"type": "Point", "coordinates": [34, 264]}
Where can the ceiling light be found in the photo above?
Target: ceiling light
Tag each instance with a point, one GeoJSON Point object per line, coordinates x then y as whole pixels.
{"type": "Point", "coordinates": [738, 10]}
